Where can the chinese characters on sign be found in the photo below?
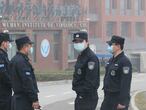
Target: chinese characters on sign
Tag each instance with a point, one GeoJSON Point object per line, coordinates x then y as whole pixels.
{"type": "Point", "coordinates": [40, 9]}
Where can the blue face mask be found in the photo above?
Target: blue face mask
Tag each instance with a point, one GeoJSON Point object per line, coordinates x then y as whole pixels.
{"type": "Point", "coordinates": [79, 46]}
{"type": "Point", "coordinates": [110, 49]}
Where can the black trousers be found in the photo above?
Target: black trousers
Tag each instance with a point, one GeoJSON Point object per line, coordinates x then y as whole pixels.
{"type": "Point", "coordinates": [21, 102]}
{"type": "Point", "coordinates": [5, 103]}
{"type": "Point", "coordinates": [110, 101]}
{"type": "Point", "coordinates": [86, 102]}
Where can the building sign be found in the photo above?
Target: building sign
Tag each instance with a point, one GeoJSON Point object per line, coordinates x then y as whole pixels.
{"type": "Point", "coordinates": [43, 14]}
{"type": "Point", "coordinates": [45, 48]}
{"type": "Point", "coordinates": [41, 9]}
{"type": "Point", "coordinates": [43, 25]}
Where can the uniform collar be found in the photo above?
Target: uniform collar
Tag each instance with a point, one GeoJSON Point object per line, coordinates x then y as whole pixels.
{"type": "Point", "coordinates": [85, 51]}
{"type": "Point", "coordinates": [117, 57]}
{"type": "Point", "coordinates": [3, 52]}
{"type": "Point", "coordinates": [22, 54]}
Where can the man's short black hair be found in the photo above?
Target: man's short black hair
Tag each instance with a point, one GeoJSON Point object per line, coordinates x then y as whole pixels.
{"type": "Point", "coordinates": [121, 45]}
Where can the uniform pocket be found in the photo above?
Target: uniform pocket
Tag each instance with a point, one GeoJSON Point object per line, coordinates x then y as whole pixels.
{"type": "Point", "coordinates": [114, 70]}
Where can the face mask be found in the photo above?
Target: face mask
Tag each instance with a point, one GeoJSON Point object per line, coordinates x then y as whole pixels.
{"type": "Point", "coordinates": [110, 49]}
{"type": "Point", "coordinates": [10, 45]}
{"type": "Point", "coordinates": [31, 50]}
{"type": "Point", "coordinates": [79, 46]}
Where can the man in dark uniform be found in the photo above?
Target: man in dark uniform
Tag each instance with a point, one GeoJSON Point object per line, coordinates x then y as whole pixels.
{"type": "Point", "coordinates": [23, 79]}
{"type": "Point", "coordinates": [5, 84]}
{"type": "Point", "coordinates": [86, 75]}
{"type": "Point", "coordinates": [117, 80]}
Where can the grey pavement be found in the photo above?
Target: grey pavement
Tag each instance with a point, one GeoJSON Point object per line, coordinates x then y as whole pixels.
{"type": "Point", "coordinates": [59, 95]}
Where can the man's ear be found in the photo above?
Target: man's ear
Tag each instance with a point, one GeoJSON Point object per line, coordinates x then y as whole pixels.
{"type": "Point", "coordinates": [86, 41]}
{"type": "Point", "coordinates": [3, 43]}
{"type": "Point", "coordinates": [119, 46]}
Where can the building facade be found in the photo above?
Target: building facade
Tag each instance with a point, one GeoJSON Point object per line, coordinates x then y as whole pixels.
{"type": "Point", "coordinates": [50, 24]}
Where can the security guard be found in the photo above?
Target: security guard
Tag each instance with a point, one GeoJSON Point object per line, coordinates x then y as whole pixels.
{"type": "Point", "coordinates": [5, 83]}
{"type": "Point", "coordinates": [86, 76]}
{"type": "Point", "coordinates": [23, 79]}
{"type": "Point", "coordinates": [117, 80]}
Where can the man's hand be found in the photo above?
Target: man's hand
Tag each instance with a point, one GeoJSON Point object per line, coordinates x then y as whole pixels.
{"type": "Point", "coordinates": [36, 105]}
{"type": "Point", "coordinates": [120, 107]}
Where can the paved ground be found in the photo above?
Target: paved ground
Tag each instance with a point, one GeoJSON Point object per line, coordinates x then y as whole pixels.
{"type": "Point", "coordinates": [145, 94]}
{"type": "Point", "coordinates": [59, 96]}
{"type": "Point", "coordinates": [141, 100]}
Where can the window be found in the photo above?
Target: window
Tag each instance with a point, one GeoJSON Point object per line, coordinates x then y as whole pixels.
{"type": "Point", "coordinates": [110, 28]}
{"type": "Point", "coordinates": [14, 36]}
{"type": "Point", "coordinates": [142, 4]}
{"type": "Point", "coordinates": [139, 29]}
{"type": "Point", "coordinates": [72, 54]}
{"type": "Point", "coordinates": [107, 7]}
{"type": "Point", "coordinates": [56, 45]}
{"type": "Point", "coordinates": [136, 7]}
{"type": "Point", "coordinates": [34, 39]}
{"type": "Point", "coordinates": [139, 7]}
{"type": "Point", "coordinates": [125, 7]}
{"type": "Point", "coordinates": [125, 29]}
{"type": "Point", "coordinates": [122, 7]}
{"type": "Point", "coordinates": [114, 4]}
{"type": "Point", "coordinates": [128, 4]}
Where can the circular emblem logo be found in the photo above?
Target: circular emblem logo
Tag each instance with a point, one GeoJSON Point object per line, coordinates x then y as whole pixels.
{"type": "Point", "coordinates": [45, 48]}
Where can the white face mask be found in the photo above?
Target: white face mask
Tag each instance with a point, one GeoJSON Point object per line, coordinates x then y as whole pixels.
{"type": "Point", "coordinates": [10, 45]}
{"type": "Point", "coordinates": [79, 46]}
{"type": "Point", "coordinates": [31, 50]}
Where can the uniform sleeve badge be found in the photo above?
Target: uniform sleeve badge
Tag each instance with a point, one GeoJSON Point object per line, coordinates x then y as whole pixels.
{"type": "Point", "coordinates": [113, 73]}
{"type": "Point", "coordinates": [79, 72]}
{"type": "Point", "coordinates": [126, 70]}
{"type": "Point", "coordinates": [91, 65]}
{"type": "Point", "coordinates": [27, 73]}
{"type": "Point", "coordinates": [2, 65]}
{"type": "Point", "coordinates": [77, 36]}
